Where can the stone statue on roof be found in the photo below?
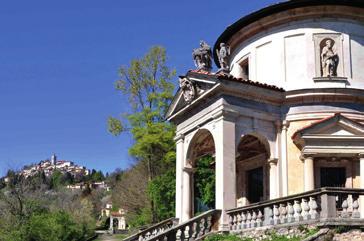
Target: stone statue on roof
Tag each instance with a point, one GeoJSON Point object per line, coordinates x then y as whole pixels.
{"type": "Point", "coordinates": [202, 56]}
{"type": "Point", "coordinates": [223, 53]}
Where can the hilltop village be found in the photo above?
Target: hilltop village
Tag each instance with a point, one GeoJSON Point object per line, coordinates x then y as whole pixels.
{"type": "Point", "coordinates": [49, 166]}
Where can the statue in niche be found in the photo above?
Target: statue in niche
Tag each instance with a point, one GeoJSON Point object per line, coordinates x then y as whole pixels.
{"type": "Point", "coordinates": [202, 56]}
{"type": "Point", "coordinates": [223, 53]}
{"type": "Point", "coordinates": [329, 59]}
{"type": "Point", "coordinates": [188, 89]}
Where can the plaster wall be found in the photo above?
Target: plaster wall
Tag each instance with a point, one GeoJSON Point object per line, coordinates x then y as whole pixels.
{"type": "Point", "coordinates": [295, 165]}
{"type": "Point", "coordinates": [285, 56]}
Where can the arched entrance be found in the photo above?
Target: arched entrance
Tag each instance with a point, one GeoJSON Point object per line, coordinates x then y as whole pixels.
{"type": "Point", "coordinates": [201, 169]}
{"type": "Point", "coordinates": [252, 169]}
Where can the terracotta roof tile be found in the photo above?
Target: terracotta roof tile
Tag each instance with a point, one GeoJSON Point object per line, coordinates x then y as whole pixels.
{"type": "Point", "coordinates": [313, 124]}
{"type": "Point", "coordinates": [232, 78]}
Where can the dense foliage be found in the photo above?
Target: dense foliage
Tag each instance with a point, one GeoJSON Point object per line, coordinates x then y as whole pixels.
{"type": "Point", "coordinates": [204, 184]}
{"type": "Point", "coordinates": [147, 83]}
{"type": "Point", "coordinates": [35, 209]}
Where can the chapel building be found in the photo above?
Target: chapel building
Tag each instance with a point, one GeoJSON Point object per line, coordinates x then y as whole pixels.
{"type": "Point", "coordinates": [283, 116]}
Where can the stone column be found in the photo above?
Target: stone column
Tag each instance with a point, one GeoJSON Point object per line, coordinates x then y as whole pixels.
{"type": "Point", "coordinates": [187, 194]}
{"type": "Point", "coordinates": [361, 198]}
{"type": "Point", "coordinates": [111, 223]}
{"type": "Point", "coordinates": [284, 159]}
{"type": "Point", "coordinates": [273, 190]}
{"type": "Point", "coordinates": [308, 170]}
{"type": "Point", "coordinates": [224, 137]}
{"type": "Point", "coordinates": [180, 160]}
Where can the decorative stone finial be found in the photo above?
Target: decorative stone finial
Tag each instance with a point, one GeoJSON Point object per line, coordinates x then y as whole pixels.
{"type": "Point", "coordinates": [223, 53]}
{"type": "Point", "coordinates": [202, 56]}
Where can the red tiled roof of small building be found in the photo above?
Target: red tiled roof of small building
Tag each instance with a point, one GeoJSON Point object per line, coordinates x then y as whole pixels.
{"type": "Point", "coordinates": [116, 214]}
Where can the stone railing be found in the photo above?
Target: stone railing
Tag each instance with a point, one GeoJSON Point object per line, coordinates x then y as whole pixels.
{"type": "Point", "coordinates": [193, 229]}
{"type": "Point", "coordinates": [153, 231]}
{"type": "Point", "coordinates": [324, 205]}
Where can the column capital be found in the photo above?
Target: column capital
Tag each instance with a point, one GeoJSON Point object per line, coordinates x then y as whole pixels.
{"type": "Point", "coordinates": [285, 124]}
{"type": "Point", "coordinates": [179, 137]}
{"type": "Point", "coordinates": [273, 161]}
{"type": "Point", "coordinates": [189, 170]}
{"type": "Point", "coordinates": [361, 155]}
{"type": "Point", "coordinates": [305, 156]}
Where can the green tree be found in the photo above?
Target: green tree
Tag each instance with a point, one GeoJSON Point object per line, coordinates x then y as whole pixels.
{"type": "Point", "coordinates": [55, 180]}
{"type": "Point", "coordinates": [204, 184]}
{"type": "Point", "coordinates": [29, 211]}
{"type": "Point", "coordinates": [147, 83]}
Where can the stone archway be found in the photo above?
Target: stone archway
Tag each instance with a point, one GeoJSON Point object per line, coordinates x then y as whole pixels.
{"type": "Point", "coordinates": [252, 184]}
{"type": "Point", "coordinates": [200, 155]}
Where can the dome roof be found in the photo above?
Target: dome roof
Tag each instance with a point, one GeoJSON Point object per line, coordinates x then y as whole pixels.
{"type": "Point", "coordinates": [231, 30]}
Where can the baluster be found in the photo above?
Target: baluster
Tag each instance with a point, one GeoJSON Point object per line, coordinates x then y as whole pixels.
{"type": "Point", "coordinates": [270, 220]}
{"type": "Point", "coordinates": [283, 212]}
{"type": "Point", "coordinates": [147, 235]}
{"type": "Point", "coordinates": [243, 220]}
{"type": "Point", "coordinates": [259, 219]}
{"type": "Point", "coordinates": [313, 208]}
{"type": "Point", "coordinates": [345, 205]}
{"type": "Point", "coordinates": [231, 221]}
{"type": "Point", "coordinates": [140, 238]}
{"type": "Point", "coordinates": [254, 219]}
{"type": "Point", "coordinates": [238, 226]}
{"type": "Point", "coordinates": [234, 222]}
{"type": "Point", "coordinates": [248, 219]}
{"type": "Point", "coordinates": [297, 211]}
{"type": "Point", "coordinates": [202, 228]}
{"type": "Point", "coordinates": [165, 238]}
{"type": "Point", "coordinates": [194, 231]}
{"type": "Point", "coordinates": [306, 209]}
{"type": "Point", "coordinates": [178, 235]}
{"type": "Point", "coordinates": [209, 223]}
{"type": "Point", "coordinates": [187, 233]}
{"type": "Point", "coordinates": [290, 211]}
{"type": "Point", "coordinates": [356, 213]}
{"type": "Point", "coordinates": [276, 214]}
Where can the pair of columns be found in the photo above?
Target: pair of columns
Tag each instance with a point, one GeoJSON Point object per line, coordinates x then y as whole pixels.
{"type": "Point", "coordinates": [309, 177]}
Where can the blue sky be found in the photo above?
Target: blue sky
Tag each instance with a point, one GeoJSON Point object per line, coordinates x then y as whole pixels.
{"type": "Point", "coordinates": [59, 61]}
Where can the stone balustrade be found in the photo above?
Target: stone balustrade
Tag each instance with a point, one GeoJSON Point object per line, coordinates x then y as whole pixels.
{"type": "Point", "coordinates": [193, 229]}
{"type": "Point", "coordinates": [324, 204]}
{"type": "Point", "coordinates": [153, 231]}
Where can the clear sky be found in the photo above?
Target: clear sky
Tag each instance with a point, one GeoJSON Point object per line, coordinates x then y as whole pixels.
{"type": "Point", "coordinates": [59, 61]}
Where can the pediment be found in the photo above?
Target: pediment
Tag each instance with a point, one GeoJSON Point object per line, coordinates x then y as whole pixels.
{"type": "Point", "coordinates": [335, 127]}
{"type": "Point", "coordinates": [192, 87]}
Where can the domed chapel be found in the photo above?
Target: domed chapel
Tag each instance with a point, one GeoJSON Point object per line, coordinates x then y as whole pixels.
{"type": "Point", "coordinates": [279, 126]}
{"type": "Point", "coordinates": [283, 116]}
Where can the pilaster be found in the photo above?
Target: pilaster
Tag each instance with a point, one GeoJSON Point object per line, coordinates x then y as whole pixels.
{"type": "Point", "coordinates": [179, 174]}
{"type": "Point", "coordinates": [224, 135]}
{"type": "Point", "coordinates": [284, 158]}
